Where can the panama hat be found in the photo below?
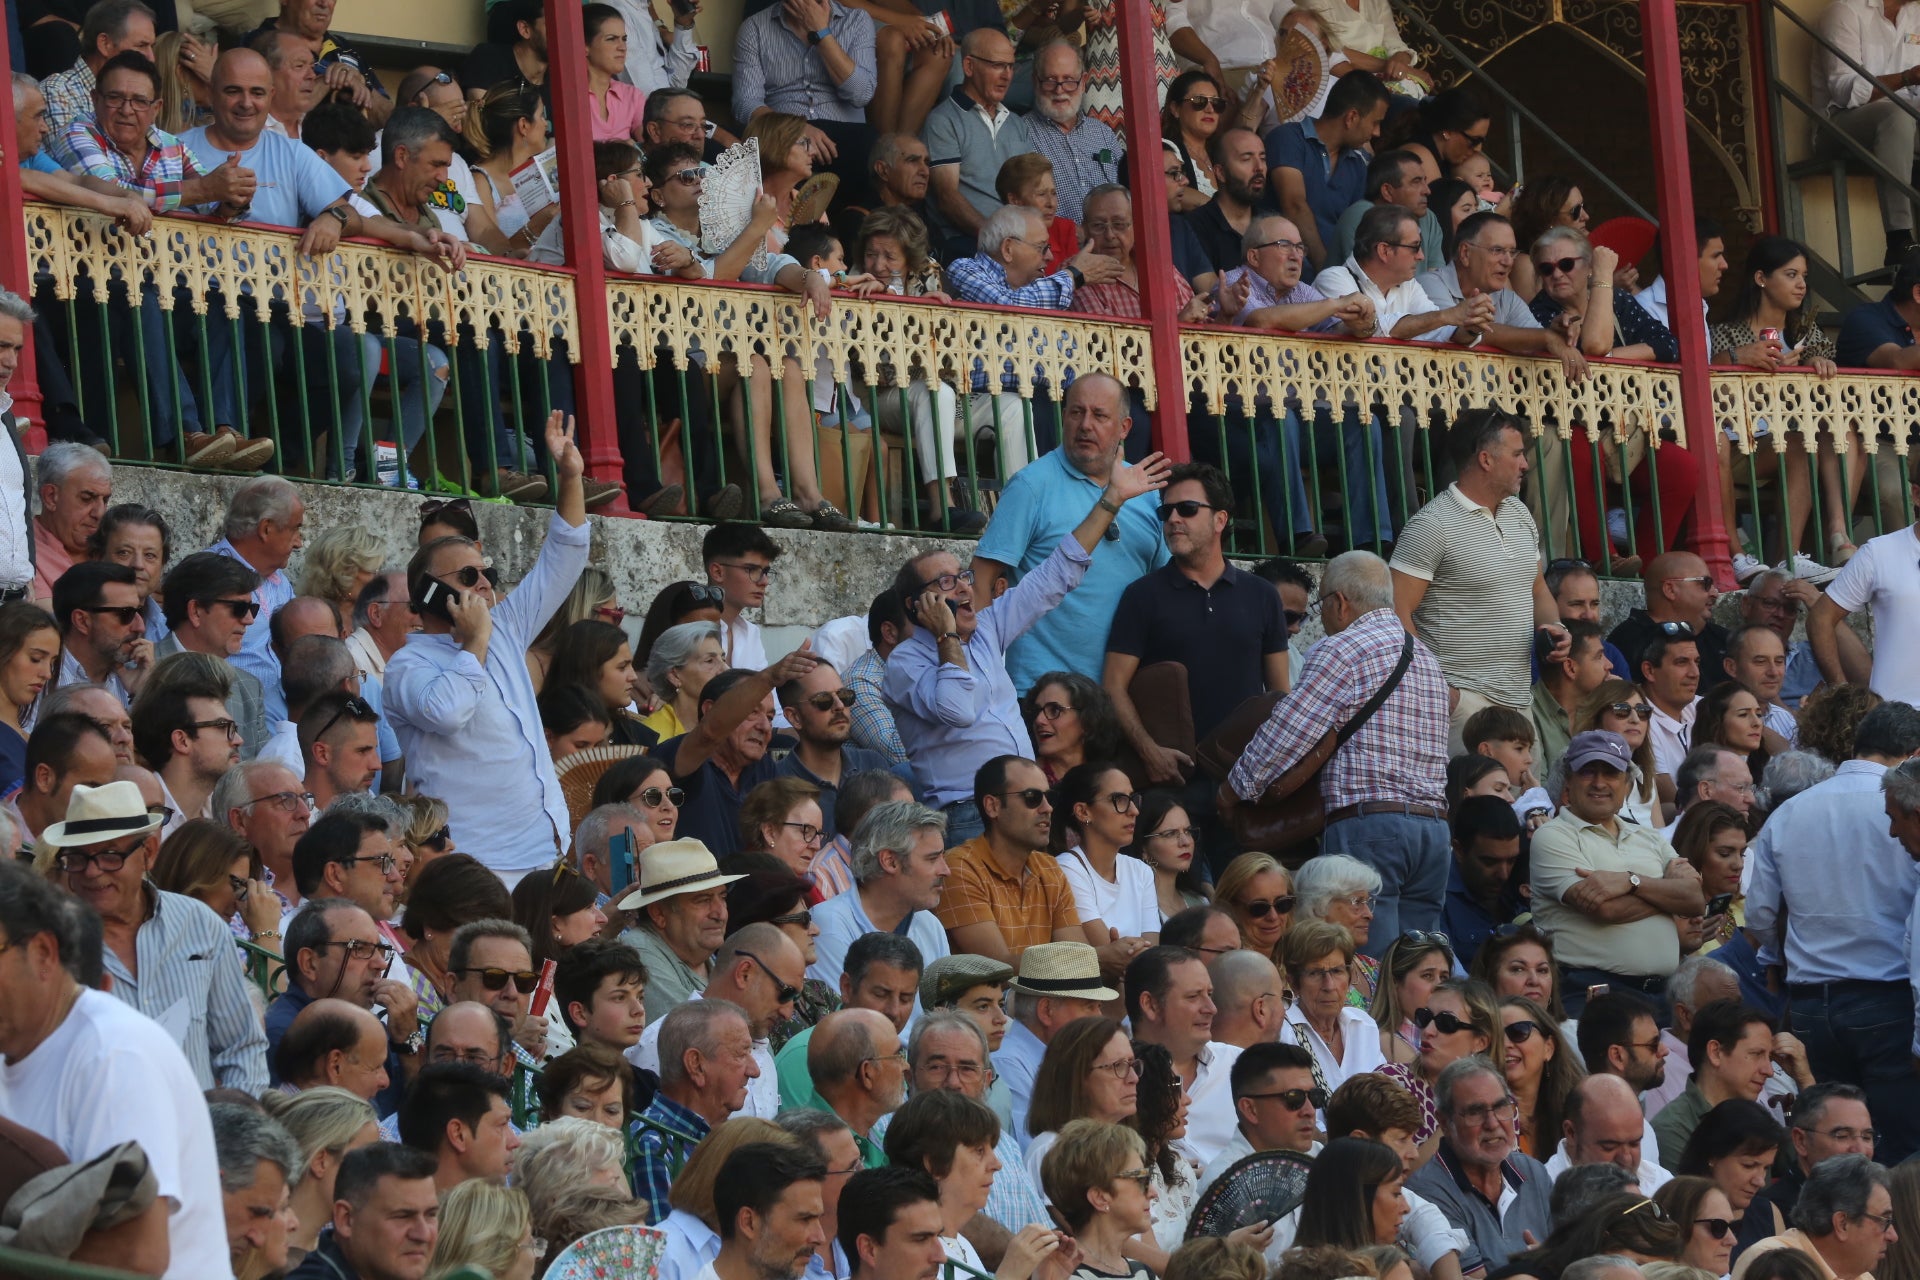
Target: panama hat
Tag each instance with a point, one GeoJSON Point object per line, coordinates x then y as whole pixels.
{"type": "Point", "coordinates": [672, 868]}
{"type": "Point", "coordinates": [96, 815]}
{"type": "Point", "coordinates": [1069, 969]}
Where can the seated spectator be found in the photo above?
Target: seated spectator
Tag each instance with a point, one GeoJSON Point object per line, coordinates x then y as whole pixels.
{"type": "Point", "coordinates": [1735, 1145]}
{"type": "Point", "coordinates": [459, 1115]}
{"type": "Point", "coordinates": [1730, 1049]}
{"type": "Point", "coordinates": [1166, 987]}
{"type": "Point", "coordinates": [1478, 1156]}
{"type": "Point", "coordinates": [901, 174]}
{"type": "Point", "coordinates": [1843, 1220]}
{"type": "Point", "coordinates": [1341, 1036]}
{"type": "Point", "coordinates": [1670, 673]}
{"type": "Point", "coordinates": [774, 70]}
{"type": "Point", "coordinates": [1705, 1219]}
{"type": "Point", "coordinates": [139, 1086]}
{"type": "Point", "coordinates": [63, 751]}
{"type": "Point", "coordinates": [1004, 893]}
{"type": "Point", "coordinates": [104, 639]}
{"type": "Point", "coordinates": [600, 986]}
{"type": "Point", "coordinates": [348, 856]}
{"type": "Point", "coordinates": [453, 890]}
{"type": "Point", "coordinates": [208, 605]}
{"type": "Point", "coordinates": [74, 485]}
{"type": "Point", "coordinates": [1237, 161]}
{"type": "Point", "coordinates": [680, 918]}
{"type": "Point", "coordinates": [1085, 152]}
{"type": "Point", "coordinates": [1317, 167]}
{"type": "Point", "coordinates": [1373, 1107]}
{"type": "Point", "coordinates": [1757, 658]}
{"type": "Point", "coordinates": [107, 31]}
{"type": "Point", "coordinates": [258, 1163]}
{"type": "Point", "coordinates": [490, 962]}
{"type": "Point", "coordinates": [818, 707]}
{"type": "Point", "coordinates": [334, 950]}
{"type": "Point", "coordinates": [342, 67]}
{"type": "Point", "coordinates": [1276, 1104]}
{"type": "Point", "coordinates": [327, 1123]}
{"type": "Point", "coordinates": [1829, 1120]}
{"type": "Point", "coordinates": [1879, 335]}
{"type": "Point", "coordinates": [332, 1043]}
{"type": "Point", "coordinates": [1483, 256]}
{"type": "Point", "coordinates": [439, 91]}
{"type": "Point", "coordinates": [999, 274]}
{"type": "Point", "coordinates": [1395, 178]}
{"type": "Point", "coordinates": [1382, 268]}
{"type": "Point", "coordinates": [385, 1218]}
{"type": "Point", "coordinates": [1109, 231]}
{"type": "Point", "coordinates": [484, 1226]}
{"type": "Point", "coordinates": [706, 1065]}
{"type": "Point", "coordinates": [1070, 988]}
{"type": "Point", "coordinates": [1248, 993]}
{"type": "Point", "coordinates": [1537, 207]}
{"type": "Point", "coordinates": [1092, 1179]}
{"type": "Point", "coordinates": [507, 128]}
{"type": "Point", "coordinates": [1585, 862]}
{"type": "Point", "coordinates": [515, 51]}
{"type": "Point", "coordinates": [1605, 1125]}
{"type": "Point", "coordinates": [969, 136]}
{"type": "Point", "coordinates": [882, 973]}
{"type": "Point", "coordinates": [297, 88]}
{"type": "Point", "coordinates": [725, 757]}
{"type": "Point", "coordinates": [898, 869]}
{"type": "Point", "coordinates": [1563, 686]}
{"type": "Point", "coordinates": [43, 179]}
{"type": "Point", "coordinates": [1027, 180]}
{"type": "Point", "coordinates": [588, 1082]}
{"type": "Point", "coordinates": [1486, 851]}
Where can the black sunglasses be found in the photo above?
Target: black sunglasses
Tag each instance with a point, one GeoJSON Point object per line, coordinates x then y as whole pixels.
{"type": "Point", "coordinates": [1295, 618]}
{"type": "Point", "coordinates": [1716, 1227]}
{"type": "Point", "coordinates": [440, 839]}
{"type": "Point", "coordinates": [1294, 1099]}
{"type": "Point", "coordinates": [782, 992]}
{"type": "Point", "coordinates": [124, 614]}
{"type": "Point", "coordinates": [1032, 797]}
{"type": "Point", "coordinates": [469, 575]}
{"type": "Point", "coordinates": [824, 700]}
{"type": "Point", "coordinates": [1260, 908]}
{"type": "Point", "coordinates": [1186, 510]}
{"type": "Point", "coordinates": [241, 608]}
{"type": "Point", "coordinates": [456, 506]}
{"type": "Point", "coordinates": [1631, 710]}
{"type": "Point", "coordinates": [803, 918]}
{"type": "Point", "coordinates": [524, 980]}
{"type": "Point", "coordinates": [1522, 1031]}
{"type": "Point", "coordinates": [1562, 266]}
{"type": "Point", "coordinates": [1446, 1023]}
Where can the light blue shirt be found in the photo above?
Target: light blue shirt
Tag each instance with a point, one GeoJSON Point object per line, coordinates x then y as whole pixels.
{"type": "Point", "coordinates": [472, 734]}
{"type": "Point", "coordinates": [842, 919]}
{"type": "Point", "coordinates": [293, 185]}
{"type": "Point", "coordinates": [191, 982]}
{"type": "Point", "coordinates": [1012, 1201]}
{"type": "Point", "coordinates": [256, 654]}
{"type": "Point", "coordinates": [953, 721]}
{"type": "Point", "coordinates": [1043, 503]}
{"type": "Point", "coordinates": [691, 1245]}
{"type": "Point", "coordinates": [1016, 1063]}
{"type": "Point", "coordinates": [1846, 886]}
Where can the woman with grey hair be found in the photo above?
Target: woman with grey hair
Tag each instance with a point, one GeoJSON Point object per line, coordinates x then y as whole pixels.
{"type": "Point", "coordinates": [681, 662]}
{"type": "Point", "coordinates": [1341, 890]}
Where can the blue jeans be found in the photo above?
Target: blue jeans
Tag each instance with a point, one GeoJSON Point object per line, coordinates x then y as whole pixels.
{"type": "Point", "coordinates": [1862, 1032]}
{"type": "Point", "coordinates": [404, 386]}
{"type": "Point", "coordinates": [963, 822]}
{"type": "Point", "coordinates": [1364, 477]}
{"type": "Point", "coordinates": [1412, 856]}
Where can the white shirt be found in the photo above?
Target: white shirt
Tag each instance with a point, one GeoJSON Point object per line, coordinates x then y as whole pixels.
{"type": "Point", "coordinates": [620, 250]}
{"type": "Point", "coordinates": [1672, 737]}
{"type": "Point", "coordinates": [108, 1074]}
{"type": "Point", "coordinates": [1241, 33]}
{"type": "Point", "coordinates": [1129, 902]}
{"type": "Point", "coordinates": [1362, 1049]}
{"type": "Point", "coordinates": [1884, 576]}
{"type": "Point", "coordinates": [763, 1091]}
{"type": "Point", "coordinates": [1653, 299]}
{"type": "Point", "coordinates": [282, 747]}
{"type": "Point", "coordinates": [1405, 299]}
{"type": "Point", "coordinates": [16, 565]}
{"type": "Point", "coordinates": [741, 639]}
{"type": "Point", "coordinates": [961, 1250]}
{"type": "Point", "coordinates": [1859, 29]}
{"type": "Point", "coordinates": [842, 641]}
{"type": "Point", "coordinates": [1650, 1175]}
{"type": "Point", "coordinates": [1211, 1122]}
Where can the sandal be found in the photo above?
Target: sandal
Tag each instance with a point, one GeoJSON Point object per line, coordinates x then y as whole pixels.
{"type": "Point", "coordinates": [785, 513]}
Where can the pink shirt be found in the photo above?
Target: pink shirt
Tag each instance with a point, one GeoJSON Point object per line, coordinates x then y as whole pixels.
{"type": "Point", "coordinates": [624, 105]}
{"type": "Point", "coordinates": [50, 560]}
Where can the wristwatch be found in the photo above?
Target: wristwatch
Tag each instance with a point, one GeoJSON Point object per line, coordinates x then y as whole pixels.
{"type": "Point", "coordinates": [815, 37]}
{"type": "Point", "coordinates": [339, 211]}
{"type": "Point", "coordinates": [1633, 883]}
{"type": "Point", "coordinates": [412, 1044]}
{"type": "Point", "coordinates": [1079, 276]}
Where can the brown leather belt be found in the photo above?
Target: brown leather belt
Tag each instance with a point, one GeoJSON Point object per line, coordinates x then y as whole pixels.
{"type": "Point", "coordinates": [1372, 807]}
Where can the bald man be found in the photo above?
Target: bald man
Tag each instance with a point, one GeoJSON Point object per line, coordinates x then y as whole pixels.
{"type": "Point", "coordinates": [1248, 1008]}
{"type": "Point", "coordinates": [860, 1070]}
{"type": "Point", "coordinates": [1678, 589]}
{"type": "Point", "coordinates": [1605, 1125]}
{"type": "Point", "coordinates": [332, 1042]}
{"type": "Point", "coordinates": [468, 1031]}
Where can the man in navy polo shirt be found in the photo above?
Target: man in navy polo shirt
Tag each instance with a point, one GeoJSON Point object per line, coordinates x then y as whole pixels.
{"type": "Point", "coordinates": [1879, 335]}
{"type": "Point", "coordinates": [1316, 168]}
{"type": "Point", "coordinates": [725, 755]}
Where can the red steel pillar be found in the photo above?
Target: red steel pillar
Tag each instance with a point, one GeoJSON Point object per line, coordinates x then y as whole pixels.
{"type": "Point", "coordinates": [16, 272]}
{"type": "Point", "coordinates": [1152, 240]}
{"type": "Point", "coordinates": [580, 232]}
{"type": "Point", "coordinates": [1666, 101]}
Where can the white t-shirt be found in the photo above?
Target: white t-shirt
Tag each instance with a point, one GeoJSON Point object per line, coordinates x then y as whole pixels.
{"type": "Point", "coordinates": [1128, 903]}
{"type": "Point", "coordinates": [1672, 738]}
{"type": "Point", "coordinates": [1884, 576]}
{"type": "Point", "coordinates": [107, 1075]}
{"type": "Point", "coordinates": [960, 1249]}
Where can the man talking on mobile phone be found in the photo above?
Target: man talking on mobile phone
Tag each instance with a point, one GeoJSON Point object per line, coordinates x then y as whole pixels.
{"type": "Point", "coordinates": [458, 692]}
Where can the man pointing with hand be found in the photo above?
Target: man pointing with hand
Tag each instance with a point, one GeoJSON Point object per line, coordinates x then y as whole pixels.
{"type": "Point", "coordinates": [458, 693]}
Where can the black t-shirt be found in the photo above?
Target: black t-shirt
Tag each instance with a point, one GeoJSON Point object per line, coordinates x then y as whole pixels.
{"type": "Point", "coordinates": [488, 65]}
{"type": "Point", "coordinates": [1634, 635]}
{"type": "Point", "coordinates": [1218, 240]}
{"type": "Point", "coordinates": [1222, 635]}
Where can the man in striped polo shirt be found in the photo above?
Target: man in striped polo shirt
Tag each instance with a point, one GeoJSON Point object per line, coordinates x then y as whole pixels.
{"type": "Point", "coordinates": [1466, 573]}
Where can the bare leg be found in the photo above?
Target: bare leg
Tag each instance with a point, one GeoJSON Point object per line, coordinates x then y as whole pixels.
{"type": "Point", "coordinates": [890, 76]}
{"type": "Point", "coordinates": [797, 403]}
{"type": "Point", "coordinates": [1799, 493]}
{"type": "Point", "coordinates": [925, 83]}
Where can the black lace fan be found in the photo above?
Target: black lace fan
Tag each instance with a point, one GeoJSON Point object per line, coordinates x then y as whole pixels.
{"type": "Point", "coordinates": [1264, 1187]}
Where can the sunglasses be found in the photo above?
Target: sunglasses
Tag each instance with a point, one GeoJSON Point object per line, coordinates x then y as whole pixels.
{"type": "Point", "coordinates": [246, 609]}
{"type": "Point", "coordinates": [440, 839]}
{"type": "Point", "coordinates": [1557, 266]}
{"type": "Point", "coordinates": [652, 796]}
{"type": "Point", "coordinates": [1295, 618]}
{"type": "Point", "coordinates": [1427, 938]}
{"type": "Point", "coordinates": [469, 575]}
{"type": "Point", "coordinates": [1186, 510]}
{"type": "Point", "coordinates": [124, 614]}
{"type": "Point", "coordinates": [456, 506]}
{"type": "Point", "coordinates": [1678, 628]}
{"type": "Point", "coordinates": [1032, 797]}
{"type": "Point", "coordinates": [784, 993]}
{"type": "Point", "coordinates": [523, 980]}
{"type": "Point", "coordinates": [1141, 1177]}
{"type": "Point", "coordinates": [1446, 1023]}
{"type": "Point", "coordinates": [1716, 1227]}
{"type": "Point", "coordinates": [355, 707]}
{"type": "Point", "coordinates": [706, 593]}
{"type": "Point", "coordinates": [1295, 1099]}
{"type": "Point", "coordinates": [1260, 908]}
{"type": "Point", "coordinates": [824, 701]}
{"type": "Point", "coordinates": [1631, 710]}
{"type": "Point", "coordinates": [803, 918]}
{"type": "Point", "coordinates": [1200, 102]}
{"type": "Point", "coordinates": [1577, 212]}
{"type": "Point", "coordinates": [1522, 1031]}
{"type": "Point", "coordinates": [686, 177]}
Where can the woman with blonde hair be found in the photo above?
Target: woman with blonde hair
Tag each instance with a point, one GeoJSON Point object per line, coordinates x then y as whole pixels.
{"type": "Point", "coordinates": [1258, 893]}
{"type": "Point", "coordinates": [1096, 1176]}
{"type": "Point", "coordinates": [485, 1225]}
{"type": "Point", "coordinates": [339, 562]}
{"type": "Point", "coordinates": [692, 1227]}
{"type": "Point", "coordinates": [327, 1122]}
{"type": "Point", "coordinates": [593, 598]}
{"type": "Point", "coordinates": [429, 833]}
{"type": "Point", "coordinates": [185, 60]}
{"type": "Point", "coordinates": [1414, 965]}
{"type": "Point", "coordinates": [1618, 706]}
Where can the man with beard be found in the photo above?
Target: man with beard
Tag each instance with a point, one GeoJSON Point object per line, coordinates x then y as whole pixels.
{"type": "Point", "coordinates": [1085, 152]}
{"type": "Point", "coordinates": [770, 1199]}
{"type": "Point", "coordinates": [1239, 162]}
{"type": "Point", "coordinates": [819, 708]}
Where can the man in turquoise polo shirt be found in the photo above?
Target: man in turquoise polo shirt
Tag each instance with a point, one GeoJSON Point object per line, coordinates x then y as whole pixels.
{"type": "Point", "coordinates": [1041, 505]}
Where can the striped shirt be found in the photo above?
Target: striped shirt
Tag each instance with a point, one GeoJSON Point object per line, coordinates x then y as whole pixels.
{"type": "Point", "coordinates": [776, 69]}
{"type": "Point", "coordinates": [1477, 615]}
{"type": "Point", "coordinates": [1399, 755]}
{"type": "Point", "coordinates": [192, 981]}
{"type": "Point", "coordinates": [873, 726]}
{"type": "Point", "coordinates": [659, 1142]}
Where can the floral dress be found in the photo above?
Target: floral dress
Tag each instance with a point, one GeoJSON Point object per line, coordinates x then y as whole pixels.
{"type": "Point", "coordinates": [1103, 100]}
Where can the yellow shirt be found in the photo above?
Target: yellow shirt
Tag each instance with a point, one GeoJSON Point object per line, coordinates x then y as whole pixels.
{"type": "Point", "coordinates": [665, 722]}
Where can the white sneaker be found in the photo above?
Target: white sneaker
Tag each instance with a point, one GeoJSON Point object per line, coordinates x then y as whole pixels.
{"type": "Point", "coordinates": [1746, 567]}
{"type": "Point", "coordinates": [1808, 569]}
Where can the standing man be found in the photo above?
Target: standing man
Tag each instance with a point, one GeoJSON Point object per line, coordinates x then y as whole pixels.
{"type": "Point", "coordinates": [1879, 580]}
{"type": "Point", "coordinates": [1466, 575]}
{"type": "Point", "coordinates": [1317, 167]}
{"type": "Point", "coordinates": [75, 484]}
{"type": "Point", "coordinates": [899, 866]}
{"type": "Point", "coordinates": [344, 68]}
{"type": "Point", "coordinates": [1383, 787]}
{"type": "Point", "coordinates": [459, 695]}
{"type": "Point", "coordinates": [262, 531]}
{"type": "Point", "coordinates": [17, 527]}
{"type": "Point", "coordinates": [1678, 589]}
{"type": "Point", "coordinates": [1608, 891]}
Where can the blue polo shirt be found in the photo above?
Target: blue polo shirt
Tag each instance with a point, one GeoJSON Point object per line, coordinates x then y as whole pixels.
{"type": "Point", "coordinates": [1867, 328]}
{"type": "Point", "coordinates": [293, 183]}
{"type": "Point", "coordinates": [1041, 506]}
{"type": "Point", "coordinates": [1330, 187]}
{"type": "Point", "coordinates": [41, 162]}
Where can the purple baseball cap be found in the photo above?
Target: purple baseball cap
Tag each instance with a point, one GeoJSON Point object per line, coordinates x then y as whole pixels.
{"type": "Point", "coordinates": [1597, 745]}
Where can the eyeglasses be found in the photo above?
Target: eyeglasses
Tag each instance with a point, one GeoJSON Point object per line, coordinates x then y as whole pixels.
{"type": "Point", "coordinates": [966, 1071]}
{"type": "Point", "coordinates": [226, 727]}
{"type": "Point", "coordinates": [161, 812]}
{"type": "Point", "coordinates": [803, 918]}
{"type": "Point", "coordinates": [124, 614]}
{"type": "Point", "coordinates": [1318, 976]}
{"type": "Point", "coordinates": [1200, 102]}
{"type": "Point", "coordinates": [359, 950]}
{"type": "Point", "coordinates": [1125, 1069]}
{"type": "Point", "coordinates": [1170, 833]}
{"type": "Point", "coordinates": [1294, 1099]}
{"type": "Point", "coordinates": [824, 700]}
{"type": "Point", "coordinates": [523, 980]}
{"type": "Point", "coordinates": [1124, 802]}
{"type": "Point", "coordinates": [1284, 246]}
{"type": "Point", "coordinates": [118, 101]}
{"type": "Point", "coordinates": [1631, 710]}
{"type": "Point", "coordinates": [1032, 797]}
{"type": "Point", "coordinates": [455, 506]}
{"type": "Point", "coordinates": [1107, 225]}
{"type": "Point", "coordinates": [239, 608]}
{"type": "Point", "coordinates": [384, 861]}
{"type": "Point", "coordinates": [75, 861]}
{"type": "Point", "coordinates": [1052, 84]}
{"type": "Point", "coordinates": [1415, 247]}
{"type": "Point", "coordinates": [1522, 1031]}
{"type": "Point", "coordinates": [898, 1055]}
{"type": "Point", "coordinates": [993, 63]}
{"type": "Point", "coordinates": [1261, 908]}
{"type": "Point", "coordinates": [360, 711]}
{"type": "Point", "coordinates": [1445, 1023]}
{"type": "Point", "coordinates": [1558, 266]}
{"type": "Point", "coordinates": [1480, 1113]}
{"type": "Point", "coordinates": [1716, 1227]}
{"type": "Point", "coordinates": [1186, 510]}
{"type": "Point", "coordinates": [1884, 1220]}
{"type": "Point", "coordinates": [1358, 901]}
{"type": "Point", "coordinates": [652, 796]}
{"type": "Point", "coordinates": [1474, 140]}
{"type": "Point", "coordinates": [1843, 1135]}
{"type": "Point", "coordinates": [1142, 1177]}
{"type": "Point", "coordinates": [291, 802]}
{"type": "Point", "coordinates": [784, 993]}
{"type": "Point", "coordinates": [1648, 1045]}
{"type": "Point", "coordinates": [756, 573]}
{"type": "Point", "coordinates": [472, 1057]}
{"type": "Point", "coordinates": [1051, 710]}
{"type": "Point", "coordinates": [808, 832]}
{"type": "Point", "coordinates": [951, 581]}
{"type": "Point", "coordinates": [1703, 581]}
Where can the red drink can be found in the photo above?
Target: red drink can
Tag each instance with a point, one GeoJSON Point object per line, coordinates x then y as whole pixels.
{"type": "Point", "coordinates": [702, 60]}
{"type": "Point", "coordinates": [543, 991]}
{"type": "Point", "coordinates": [1771, 334]}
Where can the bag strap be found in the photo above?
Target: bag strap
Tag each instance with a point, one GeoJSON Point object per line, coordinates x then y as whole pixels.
{"type": "Point", "coordinates": [1380, 696]}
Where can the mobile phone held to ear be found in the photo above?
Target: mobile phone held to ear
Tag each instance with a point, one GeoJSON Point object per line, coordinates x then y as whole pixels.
{"type": "Point", "coordinates": [437, 599]}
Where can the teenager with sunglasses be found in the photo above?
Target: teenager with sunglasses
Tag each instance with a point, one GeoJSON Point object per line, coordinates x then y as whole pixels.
{"type": "Point", "coordinates": [1415, 964]}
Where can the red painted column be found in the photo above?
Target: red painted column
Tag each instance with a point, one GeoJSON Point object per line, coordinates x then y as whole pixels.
{"type": "Point", "coordinates": [1666, 101]}
{"type": "Point", "coordinates": [580, 232]}
{"type": "Point", "coordinates": [1152, 241]}
{"type": "Point", "coordinates": [16, 272]}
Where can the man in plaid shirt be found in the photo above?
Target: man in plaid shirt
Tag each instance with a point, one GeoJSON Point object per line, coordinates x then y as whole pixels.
{"type": "Point", "coordinates": [117, 141]}
{"type": "Point", "coordinates": [706, 1053]}
{"type": "Point", "coordinates": [1385, 786]}
{"type": "Point", "coordinates": [111, 27]}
